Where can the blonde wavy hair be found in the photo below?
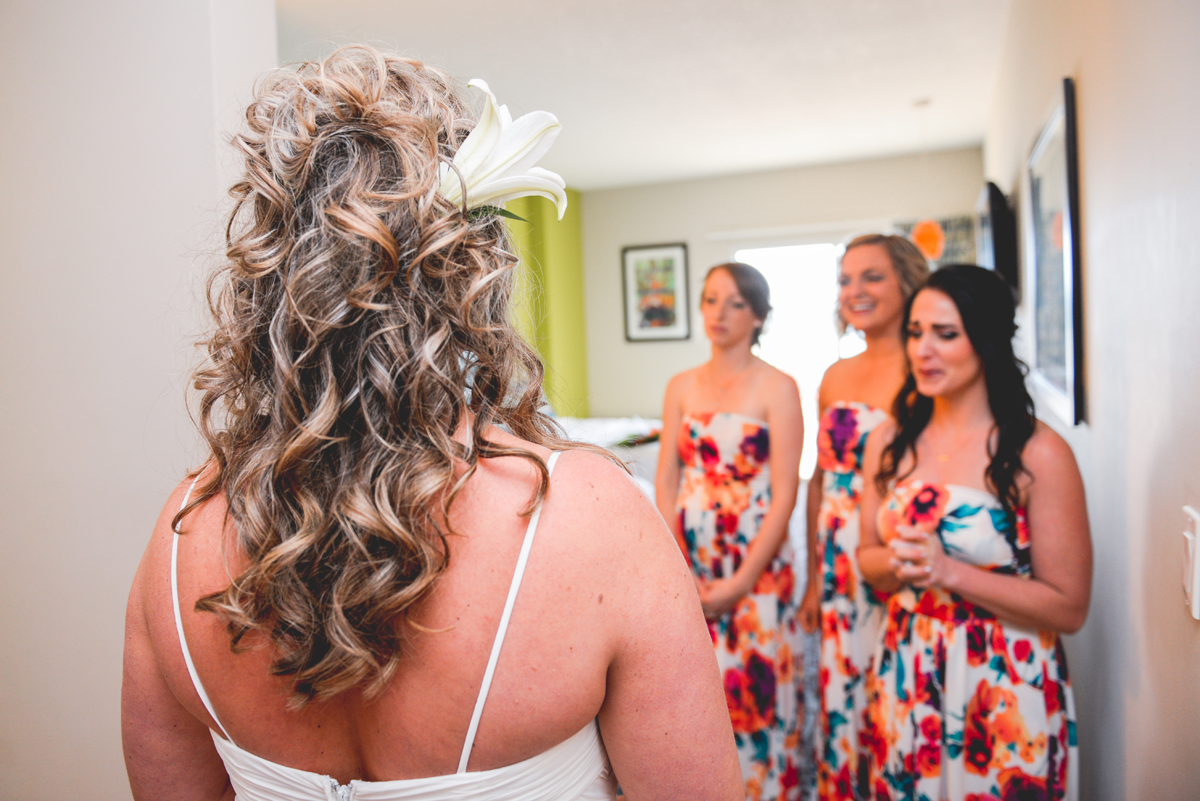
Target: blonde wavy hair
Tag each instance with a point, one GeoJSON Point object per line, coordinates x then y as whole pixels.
{"type": "Point", "coordinates": [361, 319]}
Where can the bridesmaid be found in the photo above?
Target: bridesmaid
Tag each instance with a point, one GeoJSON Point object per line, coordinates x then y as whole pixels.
{"type": "Point", "coordinates": [878, 274]}
{"type": "Point", "coordinates": [728, 474]}
{"type": "Point", "coordinates": [989, 560]}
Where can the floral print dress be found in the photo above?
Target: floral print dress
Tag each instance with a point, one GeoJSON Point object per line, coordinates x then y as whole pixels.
{"type": "Point", "coordinates": [725, 491]}
{"type": "Point", "coordinates": [961, 705]}
{"type": "Point", "coordinates": [851, 613]}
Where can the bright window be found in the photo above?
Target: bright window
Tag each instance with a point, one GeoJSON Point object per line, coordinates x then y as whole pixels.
{"type": "Point", "coordinates": [801, 336]}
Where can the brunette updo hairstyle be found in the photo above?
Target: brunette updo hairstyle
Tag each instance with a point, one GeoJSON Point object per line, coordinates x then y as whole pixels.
{"type": "Point", "coordinates": [360, 321]}
{"type": "Point", "coordinates": [752, 286]}
{"type": "Point", "coordinates": [909, 264]}
{"type": "Point", "coordinates": [985, 302]}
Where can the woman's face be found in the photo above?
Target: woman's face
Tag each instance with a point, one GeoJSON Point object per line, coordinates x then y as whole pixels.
{"type": "Point", "coordinates": [870, 298]}
{"type": "Point", "coordinates": [944, 362]}
{"type": "Point", "coordinates": [728, 318]}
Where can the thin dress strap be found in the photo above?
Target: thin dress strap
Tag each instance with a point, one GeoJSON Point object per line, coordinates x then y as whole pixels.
{"type": "Point", "coordinates": [518, 573]}
{"type": "Point", "coordinates": [187, 655]}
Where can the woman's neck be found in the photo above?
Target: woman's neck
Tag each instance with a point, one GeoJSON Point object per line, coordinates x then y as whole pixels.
{"type": "Point", "coordinates": [884, 345]}
{"type": "Point", "coordinates": [730, 360]}
{"type": "Point", "coordinates": [968, 408]}
{"type": "Point", "coordinates": [884, 341]}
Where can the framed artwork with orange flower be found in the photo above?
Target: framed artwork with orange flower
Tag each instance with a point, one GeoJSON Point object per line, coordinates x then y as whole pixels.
{"type": "Point", "coordinates": [655, 289]}
{"type": "Point", "coordinates": [1052, 247]}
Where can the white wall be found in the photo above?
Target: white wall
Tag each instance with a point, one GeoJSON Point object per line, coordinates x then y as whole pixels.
{"type": "Point", "coordinates": [719, 215]}
{"type": "Point", "coordinates": [109, 185]}
{"type": "Point", "coordinates": [1136, 663]}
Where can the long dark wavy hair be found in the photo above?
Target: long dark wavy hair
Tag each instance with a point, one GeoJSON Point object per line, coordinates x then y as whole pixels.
{"type": "Point", "coordinates": [360, 320]}
{"type": "Point", "coordinates": [986, 305]}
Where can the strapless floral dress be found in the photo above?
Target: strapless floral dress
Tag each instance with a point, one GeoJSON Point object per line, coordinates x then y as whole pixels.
{"type": "Point", "coordinates": [724, 493]}
{"type": "Point", "coordinates": [851, 612]}
{"type": "Point", "coordinates": [960, 704]}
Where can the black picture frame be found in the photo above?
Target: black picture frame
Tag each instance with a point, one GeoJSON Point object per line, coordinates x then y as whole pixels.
{"type": "Point", "coordinates": [996, 243]}
{"type": "Point", "coordinates": [1053, 243]}
{"type": "Point", "coordinates": [654, 282]}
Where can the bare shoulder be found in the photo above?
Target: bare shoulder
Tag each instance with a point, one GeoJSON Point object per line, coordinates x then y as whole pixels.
{"type": "Point", "coordinates": [843, 367]}
{"type": "Point", "coordinates": [843, 380]}
{"type": "Point", "coordinates": [882, 435]}
{"type": "Point", "coordinates": [776, 383]}
{"type": "Point", "coordinates": [1048, 458]}
{"type": "Point", "coordinates": [838, 374]}
{"type": "Point", "coordinates": [825, 389]}
{"type": "Point", "coordinates": [600, 491]}
{"type": "Point", "coordinates": [1047, 442]}
{"type": "Point", "coordinates": [150, 620]}
{"type": "Point", "coordinates": [608, 521]}
{"type": "Point", "coordinates": [610, 553]}
{"type": "Point", "coordinates": [158, 550]}
{"type": "Point", "coordinates": [680, 382]}
{"type": "Point", "coordinates": [678, 388]}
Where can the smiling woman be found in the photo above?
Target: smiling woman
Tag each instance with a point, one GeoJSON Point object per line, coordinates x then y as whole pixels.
{"type": "Point", "coordinates": [877, 275]}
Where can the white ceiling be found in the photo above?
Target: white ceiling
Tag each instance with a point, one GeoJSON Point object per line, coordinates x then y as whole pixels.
{"type": "Point", "coordinates": [650, 91]}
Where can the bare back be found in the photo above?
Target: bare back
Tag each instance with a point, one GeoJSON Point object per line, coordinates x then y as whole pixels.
{"type": "Point", "coordinates": [601, 558]}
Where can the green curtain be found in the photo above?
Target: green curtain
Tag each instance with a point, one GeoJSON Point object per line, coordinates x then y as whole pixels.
{"type": "Point", "coordinates": [548, 308]}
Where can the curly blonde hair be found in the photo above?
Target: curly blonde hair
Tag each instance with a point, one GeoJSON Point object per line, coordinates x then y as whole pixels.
{"type": "Point", "coordinates": [360, 320]}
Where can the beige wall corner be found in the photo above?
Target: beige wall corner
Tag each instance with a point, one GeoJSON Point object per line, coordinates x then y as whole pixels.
{"type": "Point", "coordinates": [110, 201]}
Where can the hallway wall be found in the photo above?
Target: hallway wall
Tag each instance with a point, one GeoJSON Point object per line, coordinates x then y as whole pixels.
{"type": "Point", "coordinates": [110, 184]}
{"type": "Point", "coordinates": [1136, 663]}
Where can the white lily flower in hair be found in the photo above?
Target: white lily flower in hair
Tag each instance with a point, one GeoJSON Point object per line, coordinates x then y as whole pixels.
{"type": "Point", "coordinates": [496, 159]}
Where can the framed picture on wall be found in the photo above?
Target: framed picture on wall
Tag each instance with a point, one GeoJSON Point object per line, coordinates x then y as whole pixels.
{"type": "Point", "coordinates": [1052, 240]}
{"type": "Point", "coordinates": [656, 296]}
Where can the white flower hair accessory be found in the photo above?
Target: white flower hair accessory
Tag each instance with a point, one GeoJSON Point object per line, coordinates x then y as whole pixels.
{"type": "Point", "coordinates": [495, 162]}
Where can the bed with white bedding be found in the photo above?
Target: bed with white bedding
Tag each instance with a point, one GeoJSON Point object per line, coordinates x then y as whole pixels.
{"type": "Point", "coordinates": [633, 439]}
